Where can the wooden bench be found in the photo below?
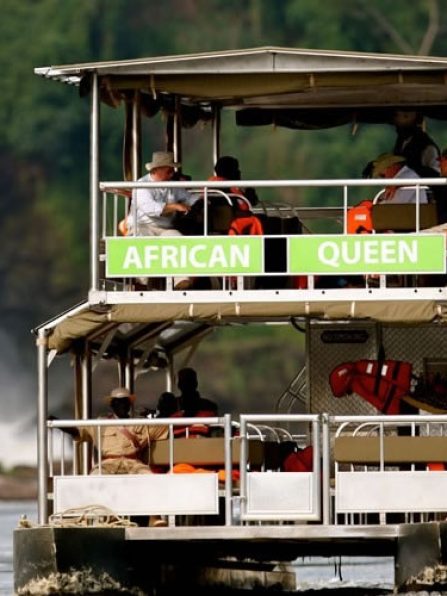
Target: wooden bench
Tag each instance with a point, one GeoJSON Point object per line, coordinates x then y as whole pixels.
{"type": "Point", "coordinates": [210, 451]}
{"type": "Point", "coordinates": [168, 494]}
{"type": "Point", "coordinates": [389, 490]}
{"type": "Point", "coordinates": [402, 217]}
{"type": "Point", "coordinates": [396, 450]}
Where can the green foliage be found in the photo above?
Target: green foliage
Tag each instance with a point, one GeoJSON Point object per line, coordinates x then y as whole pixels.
{"type": "Point", "coordinates": [44, 141]}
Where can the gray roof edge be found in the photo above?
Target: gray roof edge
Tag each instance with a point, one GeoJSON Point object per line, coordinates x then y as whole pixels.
{"type": "Point", "coordinates": [402, 60]}
{"type": "Point", "coordinates": [54, 321]}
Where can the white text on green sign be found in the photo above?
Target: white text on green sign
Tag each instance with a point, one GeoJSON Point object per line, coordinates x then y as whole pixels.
{"type": "Point", "coordinates": [214, 255]}
{"type": "Point", "coordinates": [367, 253]}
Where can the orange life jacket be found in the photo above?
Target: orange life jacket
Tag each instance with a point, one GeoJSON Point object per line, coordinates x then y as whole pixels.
{"type": "Point", "coordinates": [359, 218]}
{"type": "Point", "coordinates": [246, 225]}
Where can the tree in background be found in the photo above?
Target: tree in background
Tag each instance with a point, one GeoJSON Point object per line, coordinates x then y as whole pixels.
{"type": "Point", "coordinates": [44, 140]}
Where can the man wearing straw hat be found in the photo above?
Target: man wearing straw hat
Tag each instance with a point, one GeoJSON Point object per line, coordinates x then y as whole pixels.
{"type": "Point", "coordinates": [153, 209]}
{"type": "Point", "coordinates": [393, 166]}
{"type": "Point", "coordinates": [122, 447]}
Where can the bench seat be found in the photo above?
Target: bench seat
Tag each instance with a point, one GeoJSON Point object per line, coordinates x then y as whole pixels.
{"type": "Point", "coordinates": [397, 450]}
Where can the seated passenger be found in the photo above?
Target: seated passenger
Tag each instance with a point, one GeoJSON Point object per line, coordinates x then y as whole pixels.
{"type": "Point", "coordinates": [167, 405]}
{"type": "Point", "coordinates": [122, 447]}
{"type": "Point", "coordinates": [221, 209]}
{"type": "Point", "coordinates": [192, 404]}
{"type": "Point", "coordinates": [227, 168]}
{"type": "Point", "coordinates": [415, 145]}
{"type": "Point", "coordinates": [388, 165]}
{"type": "Point", "coordinates": [155, 208]}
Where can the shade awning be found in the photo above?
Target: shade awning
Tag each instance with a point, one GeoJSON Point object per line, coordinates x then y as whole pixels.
{"type": "Point", "coordinates": [188, 319]}
{"type": "Point", "coordinates": [268, 78]}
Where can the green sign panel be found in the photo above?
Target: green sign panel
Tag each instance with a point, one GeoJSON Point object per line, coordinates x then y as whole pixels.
{"type": "Point", "coordinates": [172, 255]}
{"type": "Point", "coordinates": [367, 253]}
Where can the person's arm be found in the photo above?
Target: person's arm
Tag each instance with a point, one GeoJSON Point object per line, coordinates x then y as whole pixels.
{"type": "Point", "coordinates": [430, 159]}
{"type": "Point", "coordinates": [171, 208]}
{"type": "Point", "coordinates": [184, 197]}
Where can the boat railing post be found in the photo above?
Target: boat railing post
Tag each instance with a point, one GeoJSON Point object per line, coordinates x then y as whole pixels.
{"type": "Point", "coordinates": [228, 470]}
{"type": "Point", "coordinates": [243, 467]}
{"type": "Point", "coordinates": [326, 471]}
{"type": "Point", "coordinates": [42, 433]}
{"type": "Point", "coordinates": [86, 404]}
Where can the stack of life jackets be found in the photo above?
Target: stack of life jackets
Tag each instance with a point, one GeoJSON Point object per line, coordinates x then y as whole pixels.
{"type": "Point", "coordinates": [382, 383]}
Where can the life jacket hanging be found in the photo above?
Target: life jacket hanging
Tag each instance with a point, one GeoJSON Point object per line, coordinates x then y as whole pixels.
{"type": "Point", "coordinates": [383, 383]}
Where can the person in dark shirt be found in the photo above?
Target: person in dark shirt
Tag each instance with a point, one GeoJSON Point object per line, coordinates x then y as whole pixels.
{"type": "Point", "coordinates": [191, 403]}
{"type": "Point", "coordinates": [421, 152]}
{"type": "Point", "coordinates": [227, 168]}
{"type": "Point", "coordinates": [167, 405]}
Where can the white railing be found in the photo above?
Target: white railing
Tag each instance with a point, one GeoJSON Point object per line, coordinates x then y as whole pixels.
{"type": "Point", "coordinates": [366, 469]}
{"type": "Point", "coordinates": [330, 215]}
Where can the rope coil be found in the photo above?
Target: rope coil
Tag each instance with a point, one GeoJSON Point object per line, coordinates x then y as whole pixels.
{"type": "Point", "coordinates": [90, 516]}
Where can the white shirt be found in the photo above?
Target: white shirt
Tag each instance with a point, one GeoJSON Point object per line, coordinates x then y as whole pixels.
{"type": "Point", "coordinates": [148, 204]}
{"type": "Point", "coordinates": [403, 194]}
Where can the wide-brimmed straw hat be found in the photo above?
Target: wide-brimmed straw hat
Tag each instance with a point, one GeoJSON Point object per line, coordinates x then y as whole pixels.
{"type": "Point", "coordinates": [120, 393]}
{"type": "Point", "coordinates": [384, 161]}
{"type": "Point", "coordinates": [162, 159]}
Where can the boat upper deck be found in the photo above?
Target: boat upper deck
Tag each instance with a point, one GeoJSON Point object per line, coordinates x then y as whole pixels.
{"type": "Point", "coordinates": [304, 257]}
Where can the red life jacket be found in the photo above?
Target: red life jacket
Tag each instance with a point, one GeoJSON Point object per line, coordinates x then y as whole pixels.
{"type": "Point", "coordinates": [299, 461]}
{"type": "Point", "coordinates": [381, 383]}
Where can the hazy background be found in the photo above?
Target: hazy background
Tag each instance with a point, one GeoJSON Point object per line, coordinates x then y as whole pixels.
{"type": "Point", "coordinates": [44, 159]}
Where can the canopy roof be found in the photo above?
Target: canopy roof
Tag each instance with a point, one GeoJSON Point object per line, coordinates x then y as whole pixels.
{"type": "Point", "coordinates": [271, 78]}
{"type": "Point", "coordinates": [171, 327]}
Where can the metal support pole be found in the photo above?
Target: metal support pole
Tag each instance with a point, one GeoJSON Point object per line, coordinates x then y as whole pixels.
{"type": "Point", "coordinates": [94, 185]}
{"type": "Point", "coordinates": [216, 134]}
{"type": "Point", "coordinates": [129, 372]}
{"type": "Point", "coordinates": [136, 135]}
{"type": "Point", "coordinates": [77, 456]}
{"type": "Point", "coordinates": [86, 412]}
{"type": "Point", "coordinates": [42, 412]}
{"type": "Point", "coordinates": [177, 133]}
{"type": "Point", "coordinates": [170, 374]}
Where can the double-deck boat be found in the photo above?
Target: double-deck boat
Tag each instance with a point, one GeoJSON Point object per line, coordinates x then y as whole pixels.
{"type": "Point", "coordinates": [377, 483]}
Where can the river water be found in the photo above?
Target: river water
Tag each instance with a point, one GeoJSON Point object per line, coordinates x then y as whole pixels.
{"type": "Point", "coordinates": [10, 512]}
{"type": "Point", "coordinates": [349, 576]}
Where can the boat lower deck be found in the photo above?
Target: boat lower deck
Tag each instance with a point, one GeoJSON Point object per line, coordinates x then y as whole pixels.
{"type": "Point", "coordinates": [219, 555]}
{"type": "Point", "coordinates": [284, 542]}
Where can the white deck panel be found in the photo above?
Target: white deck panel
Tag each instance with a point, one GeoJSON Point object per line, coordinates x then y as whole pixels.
{"type": "Point", "coordinates": [279, 493]}
{"type": "Point", "coordinates": [168, 494]}
{"type": "Point", "coordinates": [389, 491]}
